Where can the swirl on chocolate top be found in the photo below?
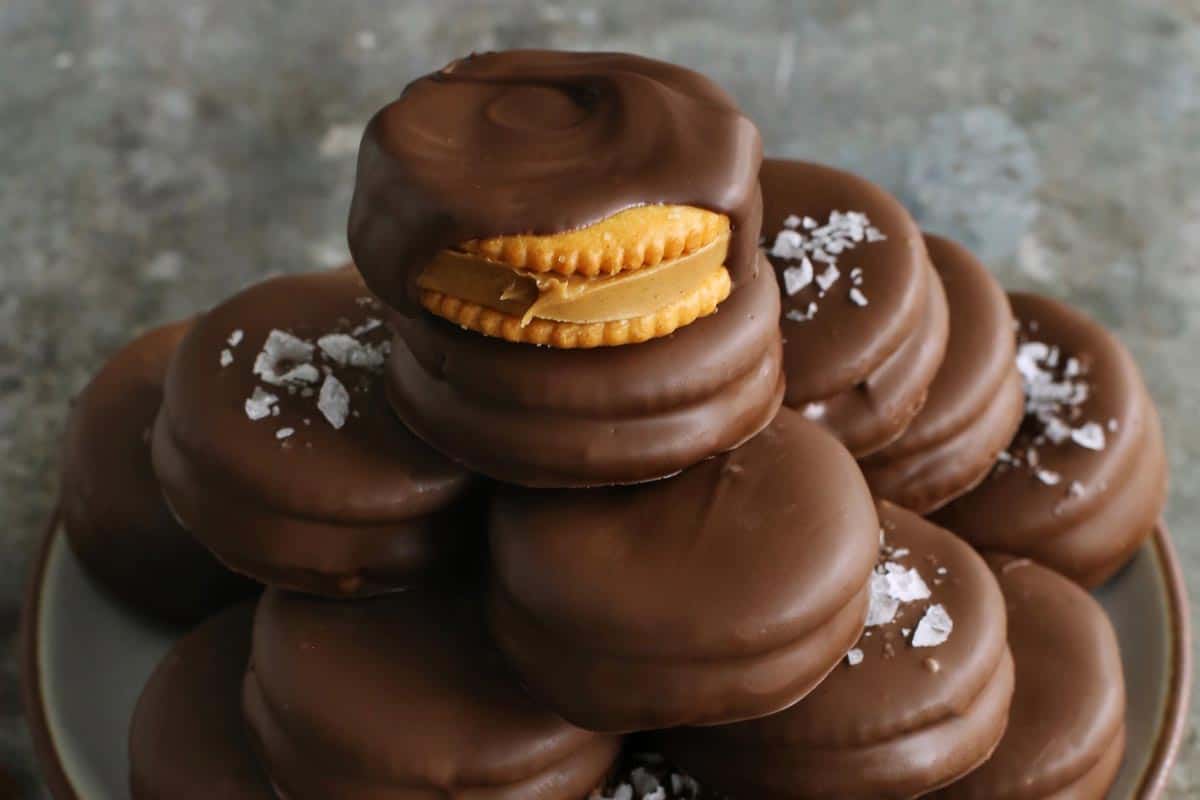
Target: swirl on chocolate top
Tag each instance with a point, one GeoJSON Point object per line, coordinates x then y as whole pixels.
{"type": "Point", "coordinates": [536, 141]}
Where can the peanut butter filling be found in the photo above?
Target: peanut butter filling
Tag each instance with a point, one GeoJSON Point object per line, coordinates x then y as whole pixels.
{"type": "Point", "coordinates": [573, 298]}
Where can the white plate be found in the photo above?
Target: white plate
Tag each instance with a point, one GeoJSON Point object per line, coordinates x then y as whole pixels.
{"type": "Point", "coordinates": [86, 659]}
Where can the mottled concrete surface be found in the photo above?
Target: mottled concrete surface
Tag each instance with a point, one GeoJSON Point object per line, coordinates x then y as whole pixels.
{"type": "Point", "coordinates": [155, 156]}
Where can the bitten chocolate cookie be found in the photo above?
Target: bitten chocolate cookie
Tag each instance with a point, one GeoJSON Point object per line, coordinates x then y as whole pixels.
{"type": "Point", "coordinates": [919, 701]}
{"type": "Point", "coordinates": [188, 739]}
{"type": "Point", "coordinates": [864, 316]}
{"type": "Point", "coordinates": [604, 207]}
{"type": "Point", "coordinates": [724, 593]}
{"type": "Point", "coordinates": [613, 415]}
{"type": "Point", "coordinates": [112, 507]}
{"type": "Point", "coordinates": [975, 403]}
{"type": "Point", "coordinates": [1084, 481]}
{"type": "Point", "coordinates": [1066, 730]}
{"type": "Point", "coordinates": [404, 696]}
{"type": "Point", "coordinates": [578, 165]}
{"type": "Point", "coordinates": [276, 447]}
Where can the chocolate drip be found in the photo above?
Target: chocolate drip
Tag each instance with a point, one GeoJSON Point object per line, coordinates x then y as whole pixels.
{"type": "Point", "coordinates": [537, 141]}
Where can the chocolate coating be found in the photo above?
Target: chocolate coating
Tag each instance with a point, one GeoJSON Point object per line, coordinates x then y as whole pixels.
{"type": "Point", "coordinates": [544, 417]}
{"type": "Point", "coordinates": [404, 696]}
{"type": "Point", "coordinates": [1088, 533]}
{"type": "Point", "coordinates": [724, 593]}
{"type": "Point", "coordinates": [844, 343]}
{"type": "Point", "coordinates": [894, 725]}
{"type": "Point", "coordinates": [112, 507]}
{"type": "Point", "coordinates": [975, 403]}
{"type": "Point", "coordinates": [1066, 730]}
{"type": "Point", "coordinates": [538, 141]}
{"type": "Point", "coordinates": [188, 740]}
{"type": "Point", "coordinates": [875, 412]}
{"type": "Point", "coordinates": [350, 511]}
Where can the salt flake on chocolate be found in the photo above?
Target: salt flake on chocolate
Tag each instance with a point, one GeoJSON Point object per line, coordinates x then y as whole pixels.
{"type": "Point", "coordinates": [828, 277]}
{"type": "Point", "coordinates": [236, 337]}
{"type": "Point", "coordinates": [370, 324]}
{"type": "Point", "coordinates": [854, 657]}
{"type": "Point", "coordinates": [1089, 435]}
{"type": "Point", "coordinates": [285, 359]}
{"type": "Point", "coordinates": [789, 244]}
{"type": "Point", "coordinates": [334, 402]}
{"type": "Point", "coordinates": [934, 628]}
{"type": "Point", "coordinates": [226, 357]}
{"type": "Point", "coordinates": [1048, 476]}
{"type": "Point", "coordinates": [906, 585]}
{"type": "Point", "coordinates": [258, 405]}
{"type": "Point", "coordinates": [891, 585]}
{"type": "Point", "coordinates": [797, 278]}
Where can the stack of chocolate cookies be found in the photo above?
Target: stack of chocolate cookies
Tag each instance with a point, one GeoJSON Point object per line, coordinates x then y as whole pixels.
{"type": "Point", "coordinates": [622, 464]}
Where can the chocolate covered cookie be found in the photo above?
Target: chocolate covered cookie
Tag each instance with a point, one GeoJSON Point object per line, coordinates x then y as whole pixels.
{"type": "Point", "coordinates": [975, 403]}
{"type": "Point", "coordinates": [864, 315]}
{"type": "Point", "coordinates": [1082, 484]}
{"type": "Point", "coordinates": [404, 696]}
{"type": "Point", "coordinates": [613, 415]}
{"type": "Point", "coordinates": [112, 507]}
{"type": "Point", "coordinates": [601, 206]}
{"type": "Point", "coordinates": [277, 448]}
{"type": "Point", "coordinates": [1066, 730]}
{"type": "Point", "coordinates": [724, 593]}
{"type": "Point", "coordinates": [920, 700]}
{"type": "Point", "coordinates": [188, 739]}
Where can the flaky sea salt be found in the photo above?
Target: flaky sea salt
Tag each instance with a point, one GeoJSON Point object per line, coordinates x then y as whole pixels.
{"type": "Point", "coordinates": [226, 357]}
{"type": "Point", "coordinates": [284, 433]}
{"type": "Point", "coordinates": [1090, 435]}
{"type": "Point", "coordinates": [854, 657]}
{"type": "Point", "coordinates": [236, 337]}
{"type": "Point", "coordinates": [259, 404]}
{"type": "Point", "coordinates": [825, 244]}
{"type": "Point", "coordinates": [797, 278]}
{"type": "Point", "coordinates": [368, 325]}
{"type": "Point", "coordinates": [1048, 476]}
{"type": "Point", "coordinates": [906, 585]}
{"type": "Point", "coordinates": [285, 359]}
{"type": "Point", "coordinates": [789, 244]}
{"type": "Point", "coordinates": [934, 628]}
{"type": "Point", "coordinates": [334, 401]}
{"type": "Point", "coordinates": [828, 277]}
{"type": "Point", "coordinates": [644, 783]}
{"type": "Point", "coordinates": [795, 315]}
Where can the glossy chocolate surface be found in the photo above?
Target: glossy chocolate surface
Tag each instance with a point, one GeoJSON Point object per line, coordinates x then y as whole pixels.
{"type": "Point", "coordinates": [975, 402]}
{"type": "Point", "coordinates": [112, 507]}
{"type": "Point", "coordinates": [902, 721]}
{"type": "Point", "coordinates": [343, 511]}
{"type": "Point", "coordinates": [844, 342]}
{"type": "Point", "coordinates": [1091, 507]}
{"type": "Point", "coordinates": [876, 411]}
{"type": "Point", "coordinates": [1066, 730]}
{"type": "Point", "coordinates": [723, 593]}
{"type": "Point", "coordinates": [404, 696]}
{"type": "Point", "coordinates": [188, 738]}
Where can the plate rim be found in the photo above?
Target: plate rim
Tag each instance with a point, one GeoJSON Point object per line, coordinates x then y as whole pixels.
{"type": "Point", "coordinates": [1153, 782]}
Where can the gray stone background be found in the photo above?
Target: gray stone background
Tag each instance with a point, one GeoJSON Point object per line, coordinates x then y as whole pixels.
{"type": "Point", "coordinates": [155, 156]}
